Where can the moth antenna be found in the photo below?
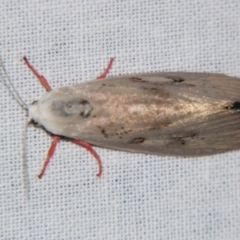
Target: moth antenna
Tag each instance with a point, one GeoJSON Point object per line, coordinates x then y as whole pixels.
{"type": "Point", "coordinates": [12, 90]}
{"type": "Point", "coordinates": [24, 160]}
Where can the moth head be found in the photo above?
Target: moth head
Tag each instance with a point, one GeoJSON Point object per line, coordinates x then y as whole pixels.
{"type": "Point", "coordinates": [56, 110]}
{"type": "Point", "coordinates": [33, 114]}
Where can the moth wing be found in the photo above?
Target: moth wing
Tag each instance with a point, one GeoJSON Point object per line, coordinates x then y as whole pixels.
{"type": "Point", "coordinates": [217, 132]}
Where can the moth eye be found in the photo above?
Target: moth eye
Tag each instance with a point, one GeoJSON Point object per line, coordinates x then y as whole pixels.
{"type": "Point", "coordinates": [34, 122]}
{"type": "Point", "coordinates": [34, 102]}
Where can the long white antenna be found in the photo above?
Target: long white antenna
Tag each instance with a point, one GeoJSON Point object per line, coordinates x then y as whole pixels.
{"type": "Point", "coordinates": [14, 92]}
{"type": "Point", "coordinates": [23, 105]}
{"type": "Point", "coordinates": [24, 162]}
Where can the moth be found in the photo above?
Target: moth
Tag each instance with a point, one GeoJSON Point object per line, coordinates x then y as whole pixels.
{"type": "Point", "coordinates": [163, 113]}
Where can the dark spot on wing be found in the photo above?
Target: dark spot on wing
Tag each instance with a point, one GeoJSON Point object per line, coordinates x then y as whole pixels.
{"type": "Point", "coordinates": [111, 124]}
{"type": "Point", "coordinates": [150, 89]}
{"type": "Point", "coordinates": [191, 136]}
{"type": "Point", "coordinates": [182, 142]}
{"type": "Point", "coordinates": [104, 133]}
{"type": "Point", "coordinates": [179, 140]}
{"type": "Point", "coordinates": [108, 85]}
{"type": "Point", "coordinates": [234, 106]}
{"type": "Point", "coordinates": [138, 140]}
{"type": "Point", "coordinates": [137, 79]}
{"type": "Point", "coordinates": [176, 79]}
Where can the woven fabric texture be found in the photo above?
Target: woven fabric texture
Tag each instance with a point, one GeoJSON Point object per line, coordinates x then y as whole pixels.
{"type": "Point", "coordinates": [139, 196]}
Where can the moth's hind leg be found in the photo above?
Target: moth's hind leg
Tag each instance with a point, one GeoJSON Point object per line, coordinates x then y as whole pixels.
{"type": "Point", "coordinates": [106, 71]}
{"type": "Point", "coordinates": [56, 138]}
{"type": "Point", "coordinates": [88, 146]}
{"type": "Point", "coordinates": [41, 78]}
{"type": "Point", "coordinates": [51, 151]}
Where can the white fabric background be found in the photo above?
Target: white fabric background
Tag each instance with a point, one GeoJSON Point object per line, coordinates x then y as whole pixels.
{"type": "Point", "coordinates": [139, 196]}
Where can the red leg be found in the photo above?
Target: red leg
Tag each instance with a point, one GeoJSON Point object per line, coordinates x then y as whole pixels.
{"type": "Point", "coordinates": [106, 71]}
{"type": "Point", "coordinates": [86, 145]}
{"type": "Point", "coordinates": [49, 155]}
{"type": "Point", "coordinates": [41, 78]}
{"type": "Point", "coordinates": [92, 151]}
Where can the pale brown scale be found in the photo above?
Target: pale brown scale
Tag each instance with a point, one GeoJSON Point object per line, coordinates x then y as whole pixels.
{"type": "Point", "coordinates": [187, 114]}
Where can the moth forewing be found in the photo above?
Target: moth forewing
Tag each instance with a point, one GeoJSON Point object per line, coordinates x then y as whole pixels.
{"type": "Point", "coordinates": [186, 114]}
